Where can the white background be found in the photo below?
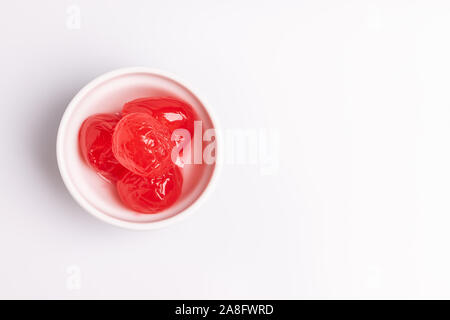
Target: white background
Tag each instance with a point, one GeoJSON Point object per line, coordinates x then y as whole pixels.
{"type": "Point", "coordinates": [359, 92]}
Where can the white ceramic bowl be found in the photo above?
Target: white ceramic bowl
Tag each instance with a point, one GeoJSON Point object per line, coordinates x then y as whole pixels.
{"type": "Point", "coordinates": [108, 93]}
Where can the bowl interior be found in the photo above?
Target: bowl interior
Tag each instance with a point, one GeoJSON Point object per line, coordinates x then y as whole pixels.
{"type": "Point", "coordinates": [108, 95]}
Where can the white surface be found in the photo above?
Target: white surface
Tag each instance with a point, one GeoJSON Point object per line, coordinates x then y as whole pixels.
{"type": "Point", "coordinates": [359, 92]}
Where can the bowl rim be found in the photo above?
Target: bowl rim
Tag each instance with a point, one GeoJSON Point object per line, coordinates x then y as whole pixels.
{"type": "Point", "coordinates": [103, 216]}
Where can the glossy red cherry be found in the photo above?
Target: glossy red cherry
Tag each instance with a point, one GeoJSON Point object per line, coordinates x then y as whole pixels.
{"type": "Point", "coordinates": [173, 113]}
{"type": "Point", "coordinates": [142, 144]}
{"type": "Point", "coordinates": [150, 194]}
{"type": "Point", "coordinates": [95, 137]}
